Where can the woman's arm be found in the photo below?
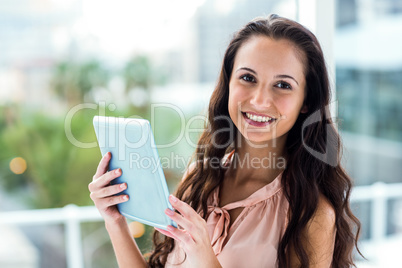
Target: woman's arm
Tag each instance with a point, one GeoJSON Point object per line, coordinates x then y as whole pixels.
{"type": "Point", "coordinates": [105, 199]}
{"type": "Point", "coordinates": [125, 248]}
{"type": "Point", "coordinates": [319, 237]}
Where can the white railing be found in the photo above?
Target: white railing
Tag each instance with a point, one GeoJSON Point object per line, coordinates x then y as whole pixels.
{"type": "Point", "coordinates": [378, 193]}
{"type": "Point", "coordinates": [72, 216]}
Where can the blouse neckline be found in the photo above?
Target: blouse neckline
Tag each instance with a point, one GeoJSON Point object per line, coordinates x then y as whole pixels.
{"type": "Point", "coordinates": [219, 218]}
{"type": "Point", "coordinates": [264, 193]}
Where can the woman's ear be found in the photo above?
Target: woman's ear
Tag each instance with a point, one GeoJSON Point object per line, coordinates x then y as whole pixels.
{"type": "Point", "coordinates": [304, 109]}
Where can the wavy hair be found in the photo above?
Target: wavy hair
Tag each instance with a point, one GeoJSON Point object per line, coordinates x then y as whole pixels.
{"type": "Point", "coordinates": [304, 173]}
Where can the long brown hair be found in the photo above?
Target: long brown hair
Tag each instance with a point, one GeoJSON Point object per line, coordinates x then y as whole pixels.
{"type": "Point", "coordinates": [304, 173]}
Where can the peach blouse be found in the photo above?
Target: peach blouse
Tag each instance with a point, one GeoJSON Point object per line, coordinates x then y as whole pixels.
{"type": "Point", "coordinates": [253, 239]}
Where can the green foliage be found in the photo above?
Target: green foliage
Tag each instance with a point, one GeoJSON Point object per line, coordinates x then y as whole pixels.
{"type": "Point", "coordinates": [58, 172]}
{"type": "Point", "coordinates": [55, 169]}
{"type": "Point", "coordinates": [72, 80]}
{"type": "Point", "coordinates": [139, 72]}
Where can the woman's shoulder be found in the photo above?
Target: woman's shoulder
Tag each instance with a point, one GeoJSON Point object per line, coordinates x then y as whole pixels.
{"type": "Point", "coordinates": [325, 213]}
{"type": "Point", "coordinates": [319, 236]}
{"type": "Point", "coordinates": [321, 232]}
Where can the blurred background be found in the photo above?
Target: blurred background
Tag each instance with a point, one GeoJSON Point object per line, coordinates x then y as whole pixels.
{"type": "Point", "coordinates": [64, 61]}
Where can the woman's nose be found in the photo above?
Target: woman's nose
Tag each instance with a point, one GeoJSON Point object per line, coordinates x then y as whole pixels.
{"type": "Point", "coordinates": [262, 97]}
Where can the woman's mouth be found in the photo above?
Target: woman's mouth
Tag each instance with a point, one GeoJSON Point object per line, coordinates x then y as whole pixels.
{"type": "Point", "coordinates": [257, 120]}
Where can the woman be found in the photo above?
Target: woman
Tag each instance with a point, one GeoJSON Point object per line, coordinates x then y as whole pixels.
{"type": "Point", "coordinates": [267, 188]}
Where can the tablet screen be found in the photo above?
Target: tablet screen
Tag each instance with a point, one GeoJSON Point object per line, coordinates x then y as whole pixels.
{"type": "Point", "coordinates": [133, 149]}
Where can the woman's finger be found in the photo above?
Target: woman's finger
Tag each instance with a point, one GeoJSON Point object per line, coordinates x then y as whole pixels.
{"type": "Point", "coordinates": [196, 229]}
{"type": "Point", "coordinates": [180, 220]}
{"type": "Point", "coordinates": [182, 236]}
{"type": "Point", "coordinates": [190, 221]}
{"type": "Point", "coordinates": [104, 180]}
{"type": "Point", "coordinates": [185, 209]}
{"type": "Point", "coordinates": [102, 166]}
{"type": "Point", "coordinates": [110, 190]}
{"type": "Point", "coordinates": [167, 233]}
{"type": "Point", "coordinates": [103, 203]}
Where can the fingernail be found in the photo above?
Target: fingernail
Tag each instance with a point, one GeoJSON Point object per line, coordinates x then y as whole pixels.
{"type": "Point", "coordinates": [169, 212]}
{"type": "Point", "coordinates": [117, 171]}
{"type": "Point", "coordinates": [173, 198]}
{"type": "Point", "coordinates": [123, 186]}
{"type": "Point", "coordinates": [125, 197]}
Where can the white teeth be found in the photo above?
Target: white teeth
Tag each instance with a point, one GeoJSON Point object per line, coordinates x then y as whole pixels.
{"type": "Point", "coordinates": [259, 118]}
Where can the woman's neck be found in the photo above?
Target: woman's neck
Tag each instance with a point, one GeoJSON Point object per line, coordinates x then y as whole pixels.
{"type": "Point", "coordinates": [258, 163]}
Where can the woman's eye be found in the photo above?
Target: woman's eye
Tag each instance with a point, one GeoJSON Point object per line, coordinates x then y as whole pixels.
{"type": "Point", "coordinates": [283, 85]}
{"type": "Point", "coordinates": [248, 78]}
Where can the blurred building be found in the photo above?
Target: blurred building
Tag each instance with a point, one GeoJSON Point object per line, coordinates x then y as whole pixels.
{"type": "Point", "coordinates": [33, 34]}
{"type": "Point", "coordinates": [215, 23]}
{"type": "Point", "coordinates": [368, 56]}
{"type": "Point", "coordinates": [369, 85]}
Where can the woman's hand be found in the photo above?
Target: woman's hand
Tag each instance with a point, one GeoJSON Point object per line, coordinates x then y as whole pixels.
{"type": "Point", "coordinates": [192, 236]}
{"type": "Point", "coordinates": [103, 194]}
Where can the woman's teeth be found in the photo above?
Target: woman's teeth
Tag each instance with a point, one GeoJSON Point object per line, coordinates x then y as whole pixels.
{"type": "Point", "coordinates": [259, 118]}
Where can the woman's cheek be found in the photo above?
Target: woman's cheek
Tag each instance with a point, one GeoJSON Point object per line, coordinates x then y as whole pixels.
{"type": "Point", "coordinates": [234, 103]}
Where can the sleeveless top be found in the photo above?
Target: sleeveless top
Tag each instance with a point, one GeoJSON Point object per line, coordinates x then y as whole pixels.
{"type": "Point", "coordinates": [253, 238]}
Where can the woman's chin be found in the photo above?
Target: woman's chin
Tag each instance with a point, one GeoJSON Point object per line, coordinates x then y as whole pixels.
{"type": "Point", "coordinates": [258, 139]}
{"type": "Point", "coordinates": [261, 140]}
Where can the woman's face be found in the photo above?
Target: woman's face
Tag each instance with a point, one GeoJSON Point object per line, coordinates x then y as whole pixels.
{"type": "Point", "coordinates": [266, 89]}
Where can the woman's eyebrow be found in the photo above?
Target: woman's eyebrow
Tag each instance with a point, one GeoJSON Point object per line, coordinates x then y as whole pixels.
{"type": "Point", "coordinates": [286, 76]}
{"type": "Point", "coordinates": [246, 69]}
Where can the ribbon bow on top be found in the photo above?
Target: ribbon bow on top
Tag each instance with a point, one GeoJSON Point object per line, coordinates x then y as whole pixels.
{"type": "Point", "coordinates": [218, 222]}
{"type": "Point", "coordinates": [218, 225]}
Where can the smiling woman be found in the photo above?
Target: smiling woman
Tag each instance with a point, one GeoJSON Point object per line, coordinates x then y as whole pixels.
{"type": "Point", "coordinates": [264, 91]}
{"type": "Point", "coordinates": [296, 214]}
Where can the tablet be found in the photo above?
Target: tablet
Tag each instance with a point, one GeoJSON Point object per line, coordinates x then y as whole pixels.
{"type": "Point", "coordinates": [133, 149]}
